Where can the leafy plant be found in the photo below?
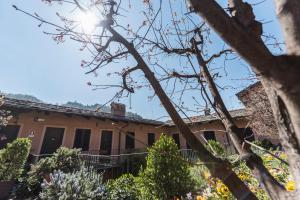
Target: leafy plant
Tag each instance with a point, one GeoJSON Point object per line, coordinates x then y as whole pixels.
{"type": "Point", "coordinates": [166, 174]}
{"type": "Point", "coordinates": [67, 160]}
{"type": "Point", "coordinates": [64, 159]}
{"type": "Point", "coordinates": [82, 184]}
{"type": "Point", "coordinates": [13, 159]}
{"type": "Point", "coordinates": [215, 147]}
{"type": "Point", "coordinates": [123, 188]}
{"type": "Point", "coordinates": [38, 172]}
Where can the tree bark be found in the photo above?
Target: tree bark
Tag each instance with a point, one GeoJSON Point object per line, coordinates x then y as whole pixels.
{"type": "Point", "coordinates": [218, 167]}
{"type": "Point", "coordinates": [278, 74]}
{"type": "Point", "coordinates": [289, 17]}
{"type": "Point", "coordinates": [253, 161]}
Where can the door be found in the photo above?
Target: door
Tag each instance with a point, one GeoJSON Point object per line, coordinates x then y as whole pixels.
{"type": "Point", "coordinates": [82, 139]}
{"type": "Point", "coordinates": [52, 140]}
{"type": "Point", "coordinates": [175, 137]}
{"type": "Point", "coordinates": [129, 141]}
{"type": "Point", "coordinates": [151, 139]}
{"type": "Point", "coordinates": [106, 143]}
{"type": "Point", "coordinates": [8, 134]}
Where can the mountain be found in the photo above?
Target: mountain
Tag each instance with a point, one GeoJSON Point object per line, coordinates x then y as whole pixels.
{"type": "Point", "coordinates": [23, 97]}
{"type": "Point", "coordinates": [72, 104]}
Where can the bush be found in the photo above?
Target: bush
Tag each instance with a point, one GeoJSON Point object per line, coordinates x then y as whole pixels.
{"type": "Point", "coordinates": [166, 174]}
{"type": "Point", "coordinates": [13, 159]}
{"type": "Point", "coordinates": [82, 184]}
{"type": "Point", "coordinates": [67, 160]}
{"type": "Point", "coordinates": [215, 147]}
{"type": "Point", "coordinates": [123, 188]}
{"type": "Point", "coordinates": [64, 159]}
{"type": "Point", "coordinates": [38, 172]}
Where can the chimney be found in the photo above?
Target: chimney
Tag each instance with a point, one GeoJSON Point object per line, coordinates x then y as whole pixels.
{"type": "Point", "coordinates": [207, 111]}
{"type": "Point", "coordinates": [118, 109]}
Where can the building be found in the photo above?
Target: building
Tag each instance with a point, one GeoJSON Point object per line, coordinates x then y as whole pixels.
{"type": "Point", "coordinates": [51, 126]}
{"type": "Point", "coordinates": [260, 116]}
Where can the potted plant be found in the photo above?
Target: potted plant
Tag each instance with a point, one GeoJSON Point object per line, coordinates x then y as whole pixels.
{"type": "Point", "coordinates": [12, 161]}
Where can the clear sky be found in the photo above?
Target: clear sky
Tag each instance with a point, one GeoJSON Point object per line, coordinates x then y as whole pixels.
{"type": "Point", "coordinates": [31, 63]}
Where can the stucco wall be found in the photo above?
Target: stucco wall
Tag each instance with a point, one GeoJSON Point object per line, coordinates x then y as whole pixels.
{"type": "Point", "coordinates": [199, 128]}
{"type": "Point", "coordinates": [71, 123]}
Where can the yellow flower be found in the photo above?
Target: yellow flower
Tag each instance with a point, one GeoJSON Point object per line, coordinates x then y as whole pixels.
{"type": "Point", "coordinates": [243, 176]}
{"type": "Point", "coordinates": [200, 198]}
{"type": "Point", "coordinates": [269, 158]}
{"type": "Point", "coordinates": [222, 189]}
{"type": "Point", "coordinates": [290, 186]}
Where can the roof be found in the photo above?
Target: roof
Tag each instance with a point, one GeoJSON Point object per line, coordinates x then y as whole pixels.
{"type": "Point", "coordinates": [13, 104]}
{"type": "Point", "coordinates": [239, 113]}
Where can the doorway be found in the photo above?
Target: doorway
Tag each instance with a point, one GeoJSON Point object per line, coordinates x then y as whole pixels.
{"type": "Point", "coordinates": [106, 143]}
{"type": "Point", "coordinates": [52, 140]}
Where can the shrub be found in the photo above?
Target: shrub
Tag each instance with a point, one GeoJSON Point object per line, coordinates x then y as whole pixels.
{"type": "Point", "coordinates": [64, 159]}
{"type": "Point", "coordinates": [122, 188]}
{"type": "Point", "coordinates": [215, 147]}
{"type": "Point", "coordinates": [13, 159]}
{"type": "Point", "coordinates": [37, 173]}
{"type": "Point", "coordinates": [266, 144]}
{"type": "Point", "coordinates": [166, 175]}
{"type": "Point", "coordinates": [82, 184]}
{"type": "Point", "coordinates": [67, 160]}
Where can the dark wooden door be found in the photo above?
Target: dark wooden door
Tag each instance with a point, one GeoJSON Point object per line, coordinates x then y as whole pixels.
{"type": "Point", "coordinates": [82, 139]}
{"type": "Point", "coordinates": [52, 140]}
{"type": "Point", "coordinates": [8, 134]}
{"type": "Point", "coordinates": [129, 141]}
{"type": "Point", "coordinates": [106, 143]}
{"type": "Point", "coordinates": [176, 139]}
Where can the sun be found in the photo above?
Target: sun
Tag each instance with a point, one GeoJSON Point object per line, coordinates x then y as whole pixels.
{"type": "Point", "coordinates": [88, 21]}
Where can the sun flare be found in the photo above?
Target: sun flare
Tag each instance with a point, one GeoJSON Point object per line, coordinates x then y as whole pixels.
{"type": "Point", "coordinates": [88, 21]}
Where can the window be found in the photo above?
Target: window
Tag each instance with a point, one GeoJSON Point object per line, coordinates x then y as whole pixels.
{"type": "Point", "coordinates": [106, 142]}
{"type": "Point", "coordinates": [129, 142]}
{"type": "Point", "coordinates": [82, 139]}
{"type": "Point", "coordinates": [209, 135]}
{"type": "Point", "coordinates": [248, 134]}
{"type": "Point", "coordinates": [176, 139]}
{"type": "Point", "coordinates": [151, 139]}
{"type": "Point", "coordinates": [8, 134]}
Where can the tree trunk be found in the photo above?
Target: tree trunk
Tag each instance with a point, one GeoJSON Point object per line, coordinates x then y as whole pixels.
{"type": "Point", "coordinates": [253, 161]}
{"type": "Point", "coordinates": [279, 75]}
{"type": "Point", "coordinates": [218, 167]}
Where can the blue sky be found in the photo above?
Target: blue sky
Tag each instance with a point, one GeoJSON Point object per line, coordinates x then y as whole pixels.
{"type": "Point", "coordinates": [33, 64]}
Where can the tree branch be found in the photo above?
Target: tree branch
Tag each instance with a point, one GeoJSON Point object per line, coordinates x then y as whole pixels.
{"type": "Point", "coordinates": [124, 75]}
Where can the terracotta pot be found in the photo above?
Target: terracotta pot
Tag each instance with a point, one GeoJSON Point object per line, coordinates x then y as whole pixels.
{"type": "Point", "coordinates": [5, 188]}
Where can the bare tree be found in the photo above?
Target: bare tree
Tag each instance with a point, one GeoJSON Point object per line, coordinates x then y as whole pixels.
{"type": "Point", "coordinates": [115, 42]}
{"type": "Point", "coordinates": [278, 74]}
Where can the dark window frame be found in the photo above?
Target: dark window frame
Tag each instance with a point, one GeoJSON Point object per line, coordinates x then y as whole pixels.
{"type": "Point", "coordinates": [103, 146]}
{"type": "Point", "coordinates": [9, 138]}
{"type": "Point", "coordinates": [84, 139]}
{"type": "Point", "coordinates": [130, 140]}
{"type": "Point", "coordinates": [176, 138]}
{"type": "Point", "coordinates": [151, 139]}
{"type": "Point", "coordinates": [209, 135]}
